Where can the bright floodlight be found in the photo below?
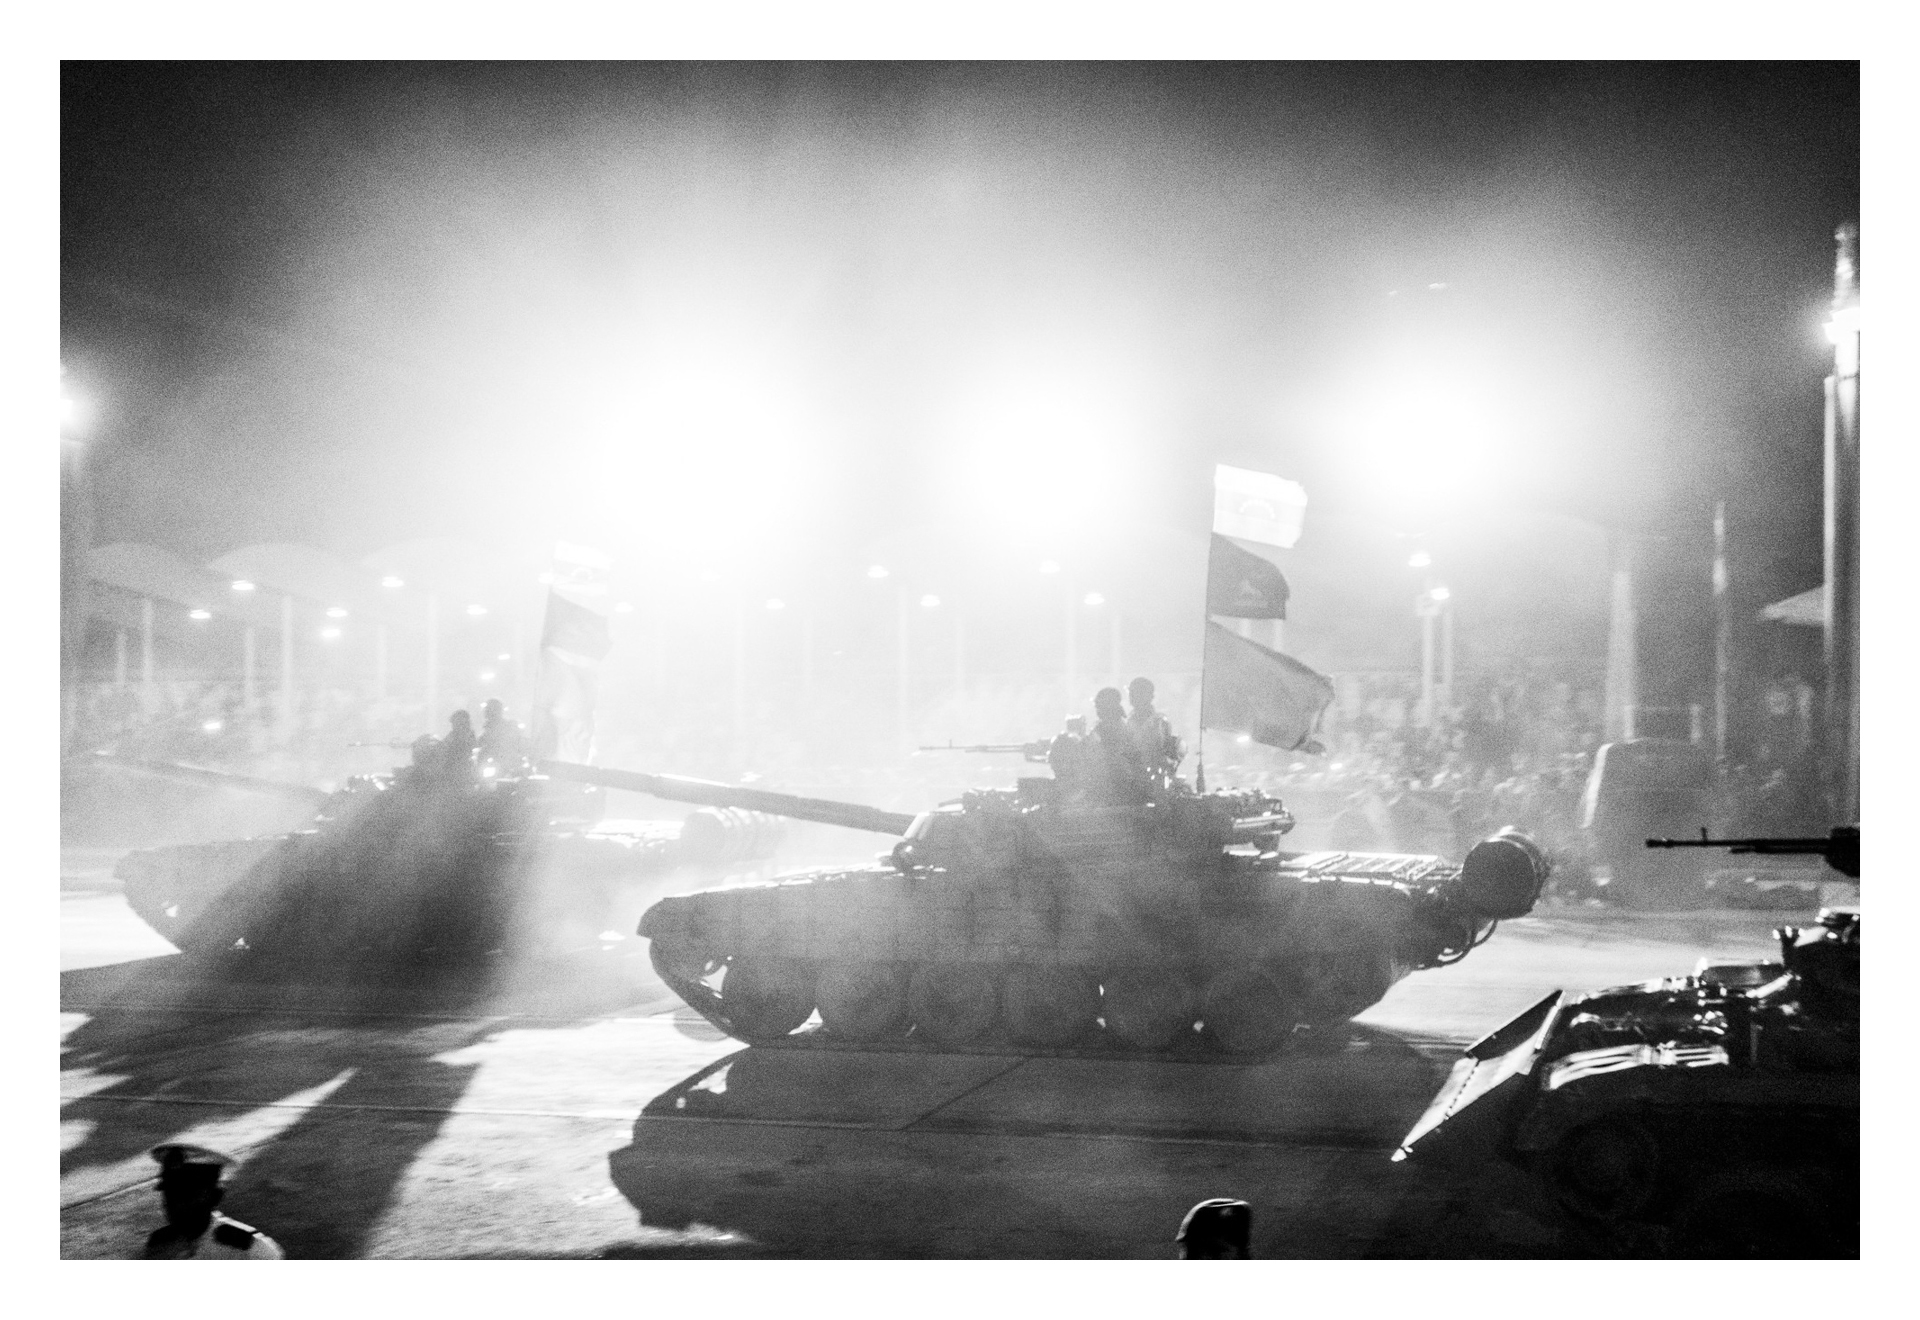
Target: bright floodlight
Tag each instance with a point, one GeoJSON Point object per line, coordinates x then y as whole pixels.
{"type": "Point", "coordinates": [486, 676]}
{"type": "Point", "coordinates": [776, 604]}
{"type": "Point", "coordinates": [336, 612]}
{"type": "Point", "coordinates": [1050, 566]}
{"type": "Point", "coordinates": [929, 602]}
{"type": "Point", "coordinates": [876, 572]}
{"type": "Point", "coordinates": [242, 584]}
{"type": "Point", "coordinates": [199, 616]}
{"type": "Point", "coordinates": [504, 656]}
{"type": "Point", "coordinates": [1419, 559]}
{"type": "Point", "coordinates": [329, 634]}
{"type": "Point", "coordinates": [1095, 598]}
{"type": "Point", "coordinates": [392, 582]}
{"type": "Point", "coordinates": [475, 611]}
{"type": "Point", "coordinates": [1440, 593]}
{"type": "Point", "coordinates": [623, 607]}
{"type": "Point", "coordinates": [211, 726]}
{"type": "Point", "coordinates": [1846, 321]}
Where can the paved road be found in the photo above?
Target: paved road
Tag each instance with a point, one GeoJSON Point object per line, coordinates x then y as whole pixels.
{"type": "Point", "coordinates": [576, 1110]}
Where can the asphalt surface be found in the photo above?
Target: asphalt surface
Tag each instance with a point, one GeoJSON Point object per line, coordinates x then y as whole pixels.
{"type": "Point", "coordinates": [575, 1109]}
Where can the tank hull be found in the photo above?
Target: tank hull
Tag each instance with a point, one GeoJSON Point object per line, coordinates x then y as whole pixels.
{"type": "Point", "coordinates": [1142, 948]}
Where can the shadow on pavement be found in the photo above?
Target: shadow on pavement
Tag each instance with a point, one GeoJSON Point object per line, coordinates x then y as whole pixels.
{"type": "Point", "coordinates": [273, 1064]}
{"type": "Point", "coordinates": [816, 1152]}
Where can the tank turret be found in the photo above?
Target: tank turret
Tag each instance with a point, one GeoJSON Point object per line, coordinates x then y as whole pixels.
{"type": "Point", "coordinates": [1142, 926]}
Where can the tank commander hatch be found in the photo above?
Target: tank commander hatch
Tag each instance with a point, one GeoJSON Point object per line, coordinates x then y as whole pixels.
{"type": "Point", "coordinates": [195, 1229]}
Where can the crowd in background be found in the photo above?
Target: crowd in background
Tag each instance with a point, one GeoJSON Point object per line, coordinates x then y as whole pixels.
{"type": "Point", "coordinates": [1512, 748]}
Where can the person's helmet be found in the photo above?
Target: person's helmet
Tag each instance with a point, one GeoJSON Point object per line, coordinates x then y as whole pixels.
{"type": "Point", "coordinates": [493, 708]}
{"type": "Point", "coordinates": [1140, 691]}
{"type": "Point", "coordinates": [1216, 1229]}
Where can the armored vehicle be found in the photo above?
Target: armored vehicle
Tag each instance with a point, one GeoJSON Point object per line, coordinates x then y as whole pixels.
{"type": "Point", "coordinates": [1068, 924]}
{"type": "Point", "coordinates": [418, 865]}
{"type": "Point", "coordinates": [1716, 1114]}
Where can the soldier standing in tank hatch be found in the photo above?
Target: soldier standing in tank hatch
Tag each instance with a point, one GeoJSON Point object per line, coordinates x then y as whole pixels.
{"type": "Point", "coordinates": [1067, 758]}
{"type": "Point", "coordinates": [1117, 771]}
{"type": "Point", "coordinates": [503, 744]}
{"type": "Point", "coordinates": [456, 749]}
{"type": "Point", "coordinates": [1153, 732]}
{"type": "Point", "coordinates": [195, 1230]}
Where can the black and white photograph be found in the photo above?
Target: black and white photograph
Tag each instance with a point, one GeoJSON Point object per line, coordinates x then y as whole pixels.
{"type": "Point", "coordinates": [960, 659]}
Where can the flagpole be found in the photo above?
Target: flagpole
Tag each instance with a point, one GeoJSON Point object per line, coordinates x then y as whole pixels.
{"type": "Point", "coordinates": [1200, 738]}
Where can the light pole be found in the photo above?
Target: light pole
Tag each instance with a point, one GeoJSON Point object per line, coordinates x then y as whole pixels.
{"type": "Point", "coordinates": [1840, 635]}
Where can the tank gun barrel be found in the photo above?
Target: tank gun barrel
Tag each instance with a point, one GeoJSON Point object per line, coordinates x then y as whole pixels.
{"type": "Point", "coordinates": [1841, 847]}
{"type": "Point", "coordinates": [174, 772]}
{"type": "Point", "coordinates": [1033, 751]}
{"type": "Point", "coordinates": [706, 793]}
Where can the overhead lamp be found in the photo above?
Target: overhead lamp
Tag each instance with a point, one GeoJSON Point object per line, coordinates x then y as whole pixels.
{"type": "Point", "coordinates": [336, 612]}
{"type": "Point", "coordinates": [1419, 559]}
{"type": "Point", "coordinates": [1095, 599]}
{"type": "Point", "coordinates": [392, 582]}
{"type": "Point", "coordinates": [876, 571]}
{"type": "Point", "coordinates": [241, 584]}
{"type": "Point", "coordinates": [329, 634]}
{"type": "Point", "coordinates": [1050, 566]}
{"type": "Point", "coordinates": [475, 611]}
{"type": "Point", "coordinates": [776, 604]}
{"type": "Point", "coordinates": [199, 616]}
{"type": "Point", "coordinates": [929, 602]}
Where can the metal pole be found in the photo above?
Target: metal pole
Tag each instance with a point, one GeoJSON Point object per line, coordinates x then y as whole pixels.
{"type": "Point", "coordinates": [1073, 658]}
{"type": "Point", "coordinates": [959, 655]}
{"type": "Point", "coordinates": [1841, 633]}
{"type": "Point", "coordinates": [1722, 631]}
{"type": "Point", "coordinates": [739, 682]}
{"type": "Point", "coordinates": [249, 661]}
{"type": "Point", "coordinates": [119, 658]}
{"type": "Point", "coordinates": [1426, 664]}
{"type": "Point", "coordinates": [900, 672]}
{"type": "Point", "coordinates": [379, 662]}
{"type": "Point", "coordinates": [1113, 641]}
{"type": "Point", "coordinates": [286, 668]}
{"type": "Point", "coordinates": [433, 660]}
{"type": "Point", "coordinates": [1446, 655]}
{"type": "Point", "coordinates": [149, 698]}
{"type": "Point", "coordinates": [1622, 692]}
{"type": "Point", "coordinates": [806, 660]}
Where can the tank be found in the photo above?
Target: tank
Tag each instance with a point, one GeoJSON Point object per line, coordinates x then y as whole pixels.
{"type": "Point", "coordinates": [413, 867]}
{"type": "Point", "coordinates": [1005, 914]}
{"type": "Point", "coordinates": [1709, 1115]}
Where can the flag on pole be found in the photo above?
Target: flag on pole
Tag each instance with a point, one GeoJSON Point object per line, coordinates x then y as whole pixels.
{"type": "Point", "coordinates": [1255, 690]}
{"type": "Point", "coordinates": [1242, 584]}
{"type": "Point", "coordinates": [1257, 506]}
{"type": "Point", "coordinates": [574, 639]}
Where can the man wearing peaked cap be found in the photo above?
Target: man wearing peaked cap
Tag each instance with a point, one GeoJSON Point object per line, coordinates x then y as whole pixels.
{"type": "Point", "coordinates": [195, 1230]}
{"type": "Point", "coordinates": [1219, 1229]}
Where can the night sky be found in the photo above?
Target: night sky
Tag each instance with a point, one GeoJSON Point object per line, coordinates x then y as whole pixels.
{"type": "Point", "coordinates": [771, 316]}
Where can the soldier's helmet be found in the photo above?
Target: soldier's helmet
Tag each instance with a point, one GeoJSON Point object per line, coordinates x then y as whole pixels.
{"type": "Point", "coordinates": [1216, 1229]}
{"type": "Point", "coordinates": [1106, 704]}
{"type": "Point", "coordinates": [493, 708]}
{"type": "Point", "coordinates": [1140, 691]}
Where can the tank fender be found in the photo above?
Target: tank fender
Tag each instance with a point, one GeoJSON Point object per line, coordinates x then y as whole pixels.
{"type": "Point", "coordinates": [1473, 1115]}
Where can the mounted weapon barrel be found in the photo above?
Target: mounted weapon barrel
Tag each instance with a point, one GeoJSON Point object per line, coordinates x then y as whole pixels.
{"type": "Point", "coordinates": [706, 793]}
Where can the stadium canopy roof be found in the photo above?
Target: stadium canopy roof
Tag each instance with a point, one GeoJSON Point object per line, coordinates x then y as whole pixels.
{"type": "Point", "coordinates": [1808, 609]}
{"type": "Point", "coordinates": [128, 569]}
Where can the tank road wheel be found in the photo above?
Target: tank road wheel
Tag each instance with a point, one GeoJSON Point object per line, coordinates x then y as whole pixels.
{"type": "Point", "coordinates": [1751, 1212]}
{"type": "Point", "coordinates": [765, 998]}
{"type": "Point", "coordinates": [1337, 984]}
{"type": "Point", "coordinates": [1050, 1005]}
{"type": "Point", "coordinates": [863, 1001]}
{"type": "Point", "coordinates": [1246, 1012]}
{"type": "Point", "coordinates": [1605, 1170]}
{"type": "Point", "coordinates": [952, 1003]}
{"type": "Point", "coordinates": [1149, 1008]}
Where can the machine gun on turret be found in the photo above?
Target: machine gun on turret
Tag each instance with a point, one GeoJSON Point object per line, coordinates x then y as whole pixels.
{"type": "Point", "coordinates": [1032, 751]}
{"type": "Point", "coordinates": [1840, 849]}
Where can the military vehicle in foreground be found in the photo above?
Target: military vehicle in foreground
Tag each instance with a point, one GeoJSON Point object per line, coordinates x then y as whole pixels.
{"type": "Point", "coordinates": [1056, 924]}
{"type": "Point", "coordinates": [1711, 1115]}
{"type": "Point", "coordinates": [422, 866]}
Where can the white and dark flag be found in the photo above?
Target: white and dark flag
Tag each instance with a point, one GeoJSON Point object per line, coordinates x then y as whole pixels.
{"type": "Point", "coordinates": [1255, 690]}
{"type": "Point", "coordinates": [574, 639]}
